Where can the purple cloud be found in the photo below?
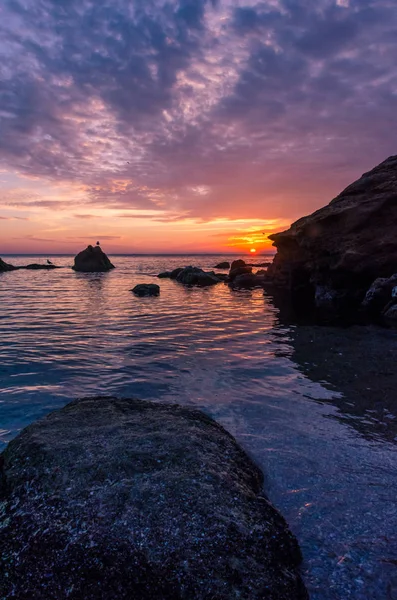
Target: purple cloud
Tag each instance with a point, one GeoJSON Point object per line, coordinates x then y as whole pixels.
{"type": "Point", "coordinates": [202, 109]}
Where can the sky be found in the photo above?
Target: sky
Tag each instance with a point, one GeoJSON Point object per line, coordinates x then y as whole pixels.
{"type": "Point", "coordinates": [186, 125]}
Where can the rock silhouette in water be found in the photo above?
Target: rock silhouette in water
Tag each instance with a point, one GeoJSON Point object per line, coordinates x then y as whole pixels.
{"type": "Point", "coordinates": [123, 498]}
{"type": "Point", "coordinates": [222, 265]}
{"type": "Point", "coordinates": [330, 258]}
{"type": "Point", "coordinates": [146, 289]}
{"type": "Point", "coordinates": [92, 260]}
{"type": "Point", "coordinates": [5, 266]}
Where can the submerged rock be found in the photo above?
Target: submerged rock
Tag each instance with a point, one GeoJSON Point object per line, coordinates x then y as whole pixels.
{"type": "Point", "coordinates": [123, 499]}
{"type": "Point", "coordinates": [222, 265]}
{"type": "Point", "coordinates": [344, 246]}
{"type": "Point", "coordinates": [92, 260]}
{"type": "Point", "coordinates": [6, 267]}
{"type": "Point", "coordinates": [146, 289]}
{"type": "Point", "coordinates": [164, 275]}
{"type": "Point", "coordinates": [247, 280]}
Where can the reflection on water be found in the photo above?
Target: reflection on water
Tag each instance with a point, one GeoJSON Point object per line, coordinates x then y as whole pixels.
{"type": "Point", "coordinates": [66, 334]}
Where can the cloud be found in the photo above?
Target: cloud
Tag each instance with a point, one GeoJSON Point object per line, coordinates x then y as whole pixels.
{"type": "Point", "coordinates": [270, 107]}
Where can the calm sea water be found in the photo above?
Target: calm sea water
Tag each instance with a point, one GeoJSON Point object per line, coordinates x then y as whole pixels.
{"type": "Point", "coordinates": [65, 335]}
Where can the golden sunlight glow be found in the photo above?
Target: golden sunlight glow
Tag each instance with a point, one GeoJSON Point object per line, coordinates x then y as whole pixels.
{"type": "Point", "coordinates": [252, 250]}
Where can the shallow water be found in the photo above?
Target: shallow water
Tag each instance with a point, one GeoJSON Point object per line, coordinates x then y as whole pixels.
{"type": "Point", "coordinates": [65, 335]}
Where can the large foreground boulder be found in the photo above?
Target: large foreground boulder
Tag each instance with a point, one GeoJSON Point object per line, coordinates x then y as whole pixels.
{"type": "Point", "coordinates": [127, 499]}
{"type": "Point", "coordinates": [332, 256]}
{"type": "Point", "coordinates": [92, 260]}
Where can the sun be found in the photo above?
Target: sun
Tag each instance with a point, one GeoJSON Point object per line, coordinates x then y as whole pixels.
{"type": "Point", "coordinates": [252, 250]}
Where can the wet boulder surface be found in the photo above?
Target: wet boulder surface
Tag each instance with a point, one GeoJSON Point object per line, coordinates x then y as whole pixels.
{"type": "Point", "coordinates": [92, 260]}
{"type": "Point", "coordinates": [126, 499]}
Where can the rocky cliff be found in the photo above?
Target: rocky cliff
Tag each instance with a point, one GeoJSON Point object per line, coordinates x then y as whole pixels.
{"type": "Point", "coordinates": [331, 257]}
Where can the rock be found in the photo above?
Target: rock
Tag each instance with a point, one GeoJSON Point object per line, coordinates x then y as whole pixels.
{"type": "Point", "coordinates": [222, 265]}
{"type": "Point", "coordinates": [247, 280]}
{"type": "Point", "coordinates": [239, 271]}
{"type": "Point", "coordinates": [92, 260]}
{"type": "Point", "coordinates": [390, 315]}
{"type": "Point", "coordinates": [164, 275]}
{"type": "Point", "coordinates": [6, 267]}
{"type": "Point", "coordinates": [174, 274]}
{"type": "Point", "coordinates": [123, 499]}
{"type": "Point", "coordinates": [261, 272]}
{"type": "Point", "coordinates": [237, 263]}
{"type": "Point", "coordinates": [262, 264]}
{"type": "Point", "coordinates": [38, 267]}
{"type": "Point", "coordinates": [379, 294]}
{"type": "Point", "coordinates": [344, 246]}
{"type": "Point", "coordinates": [196, 276]}
{"type": "Point", "coordinates": [222, 276]}
{"type": "Point", "coordinates": [146, 289]}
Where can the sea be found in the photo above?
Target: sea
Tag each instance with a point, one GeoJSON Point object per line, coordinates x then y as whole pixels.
{"type": "Point", "coordinates": [65, 335]}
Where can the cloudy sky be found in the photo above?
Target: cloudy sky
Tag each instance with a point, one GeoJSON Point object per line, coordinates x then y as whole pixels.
{"type": "Point", "coordinates": [186, 125]}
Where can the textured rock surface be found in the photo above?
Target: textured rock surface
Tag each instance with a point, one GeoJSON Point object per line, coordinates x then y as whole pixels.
{"type": "Point", "coordinates": [237, 263]}
{"type": "Point", "coordinates": [347, 244]}
{"type": "Point", "coordinates": [111, 498]}
{"type": "Point", "coordinates": [379, 294]}
{"type": "Point", "coordinates": [222, 265]}
{"type": "Point", "coordinates": [92, 260]}
{"type": "Point", "coordinates": [146, 289]}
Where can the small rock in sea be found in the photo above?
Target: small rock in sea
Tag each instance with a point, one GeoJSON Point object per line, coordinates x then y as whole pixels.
{"type": "Point", "coordinates": [196, 276]}
{"type": "Point", "coordinates": [242, 270]}
{"type": "Point", "coordinates": [146, 289]}
{"type": "Point", "coordinates": [237, 263]}
{"type": "Point", "coordinates": [164, 275]}
{"type": "Point", "coordinates": [124, 498]}
{"type": "Point", "coordinates": [222, 265]}
{"type": "Point", "coordinates": [38, 267]}
{"type": "Point", "coordinates": [92, 260]}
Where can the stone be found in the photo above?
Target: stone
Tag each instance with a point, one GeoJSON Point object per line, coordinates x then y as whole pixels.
{"type": "Point", "coordinates": [164, 275]}
{"type": "Point", "coordinates": [129, 499]}
{"type": "Point", "coordinates": [174, 274]}
{"type": "Point", "coordinates": [6, 267]}
{"type": "Point", "coordinates": [222, 265]}
{"type": "Point", "coordinates": [222, 276]}
{"type": "Point", "coordinates": [390, 315]}
{"type": "Point", "coordinates": [379, 294]}
{"type": "Point", "coordinates": [195, 276]}
{"type": "Point", "coordinates": [38, 267]}
{"type": "Point", "coordinates": [344, 246]}
{"type": "Point", "coordinates": [146, 289]}
{"type": "Point", "coordinates": [243, 270]}
{"type": "Point", "coordinates": [237, 263]}
{"type": "Point", "coordinates": [92, 260]}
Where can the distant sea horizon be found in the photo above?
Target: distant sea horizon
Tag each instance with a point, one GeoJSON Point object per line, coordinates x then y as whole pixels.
{"type": "Point", "coordinates": [252, 254]}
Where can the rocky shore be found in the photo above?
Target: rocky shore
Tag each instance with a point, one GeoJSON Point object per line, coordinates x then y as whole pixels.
{"type": "Point", "coordinates": [329, 260]}
{"type": "Point", "coordinates": [122, 498]}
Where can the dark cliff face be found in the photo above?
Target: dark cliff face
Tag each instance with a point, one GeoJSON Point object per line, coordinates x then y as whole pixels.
{"type": "Point", "coordinates": [340, 249]}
